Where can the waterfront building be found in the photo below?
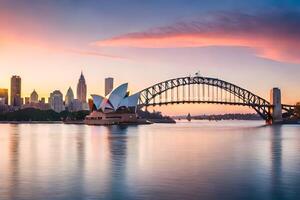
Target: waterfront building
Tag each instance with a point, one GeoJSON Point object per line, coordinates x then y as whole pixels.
{"type": "Point", "coordinates": [118, 99]}
{"type": "Point", "coordinates": [2, 101]}
{"type": "Point", "coordinates": [85, 106]}
{"type": "Point", "coordinates": [75, 105]}
{"type": "Point", "coordinates": [27, 100]}
{"type": "Point", "coordinates": [33, 102]}
{"type": "Point", "coordinates": [39, 105]}
{"type": "Point", "coordinates": [4, 108]}
{"type": "Point", "coordinates": [69, 97]}
{"type": "Point", "coordinates": [43, 100]}
{"type": "Point", "coordinates": [34, 97]}
{"type": "Point", "coordinates": [118, 107]}
{"type": "Point", "coordinates": [4, 96]}
{"type": "Point", "coordinates": [56, 101]}
{"type": "Point", "coordinates": [81, 89]}
{"type": "Point", "coordinates": [15, 91]}
{"type": "Point", "coordinates": [91, 104]}
{"type": "Point", "coordinates": [109, 85]}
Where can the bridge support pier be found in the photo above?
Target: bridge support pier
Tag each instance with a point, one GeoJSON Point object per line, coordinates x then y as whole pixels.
{"type": "Point", "coordinates": [276, 107]}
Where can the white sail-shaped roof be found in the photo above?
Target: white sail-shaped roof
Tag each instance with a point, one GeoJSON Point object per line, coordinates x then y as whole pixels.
{"type": "Point", "coordinates": [117, 95]}
{"type": "Point", "coordinates": [105, 104]}
{"type": "Point", "coordinates": [98, 100]}
{"type": "Point", "coordinates": [116, 99]}
{"type": "Point", "coordinates": [130, 101]}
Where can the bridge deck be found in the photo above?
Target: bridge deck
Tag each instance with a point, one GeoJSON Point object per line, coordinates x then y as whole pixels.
{"type": "Point", "coordinates": [205, 102]}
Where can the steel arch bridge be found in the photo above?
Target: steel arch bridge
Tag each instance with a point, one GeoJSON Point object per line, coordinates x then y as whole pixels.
{"type": "Point", "coordinates": [198, 89]}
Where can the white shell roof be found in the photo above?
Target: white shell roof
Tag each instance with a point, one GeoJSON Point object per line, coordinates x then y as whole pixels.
{"type": "Point", "coordinates": [116, 99]}
{"type": "Point", "coordinates": [105, 104]}
{"type": "Point", "coordinates": [117, 95]}
{"type": "Point", "coordinates": [97, 100]}
{"type": "Point", "coordinates": [130, 101]}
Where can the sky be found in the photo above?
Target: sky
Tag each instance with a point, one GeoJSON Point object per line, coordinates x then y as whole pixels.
{"type": "Point", "coordinates": [254, 44]}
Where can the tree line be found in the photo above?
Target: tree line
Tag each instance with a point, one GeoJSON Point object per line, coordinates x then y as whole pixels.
{"type": "Point", "coordinates": [32, 114]}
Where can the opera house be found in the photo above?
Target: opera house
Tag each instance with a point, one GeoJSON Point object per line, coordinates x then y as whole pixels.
{"type": "Point", "coordinates": [116, 108]}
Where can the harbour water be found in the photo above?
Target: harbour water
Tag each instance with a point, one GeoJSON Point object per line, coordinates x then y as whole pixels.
{"type": "Point", "coordinates": [187, 160]}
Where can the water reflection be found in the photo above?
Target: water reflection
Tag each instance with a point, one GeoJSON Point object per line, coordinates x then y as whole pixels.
{"type": "Point", "coordinates": [182, 161]}
{"type": "Point", "coordinates": [80, 163]}
{"type": "Point", "coordinates": [117, 137]}
{"type": "Point", "coordinates": [14, 153]}
{"type": "Point", "coordinates": [285, 159]}
{"type": "Point", "coordinates": [276, 161]}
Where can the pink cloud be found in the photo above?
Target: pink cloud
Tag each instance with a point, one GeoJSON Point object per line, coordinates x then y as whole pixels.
{"type": "Point", "coordinates": [94, 53]}
{"type": "Point", "coordinates": [274, 35]}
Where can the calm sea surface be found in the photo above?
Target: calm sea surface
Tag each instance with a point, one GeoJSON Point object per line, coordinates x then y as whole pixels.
{"type": "Point", "coordinates": [197, 160]}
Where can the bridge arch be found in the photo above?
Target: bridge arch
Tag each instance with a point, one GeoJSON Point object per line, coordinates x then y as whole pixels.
{"type": "Point", "coordinates": [198, 89]}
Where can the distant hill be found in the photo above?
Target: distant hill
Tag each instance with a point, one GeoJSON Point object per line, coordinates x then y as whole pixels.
{"type": "Point", "coordinates": [155, 117]}
{"type": "Point", "coordinates": [233, 116]}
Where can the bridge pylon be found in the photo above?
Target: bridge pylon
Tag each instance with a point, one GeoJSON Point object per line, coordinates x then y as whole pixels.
{"type": "Point", "coordinates": [276, 106]}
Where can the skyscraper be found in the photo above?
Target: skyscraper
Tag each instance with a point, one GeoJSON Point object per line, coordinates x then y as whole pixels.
{"type": "Point", "coordinates": [109, 85]}
{"type": "Point", "coordinates": [34, 97]}
{"type": "Point", "coordinates": [15, 91]}
{"type": "Point", "coordinates": [69, 97]}
{"type": "Point", "coordinates": [81, 89]}
{"type": "Point", "coordinates": [4, 96]}
{"type": "Point", "coordinates": [56, 101]}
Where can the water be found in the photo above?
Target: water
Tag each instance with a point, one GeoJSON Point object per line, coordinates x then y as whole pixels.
{"type": "Point", "coordinates": [197, 160]}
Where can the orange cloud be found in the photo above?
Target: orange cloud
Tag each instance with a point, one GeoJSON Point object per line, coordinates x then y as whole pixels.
{"type": "Point", "coordinates": [273, 36]}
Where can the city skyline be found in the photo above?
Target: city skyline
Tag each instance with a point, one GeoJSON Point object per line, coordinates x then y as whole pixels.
{"type": "Point", "coordinates": [231, 40]}
{"type": "Point", "coordinates": [83, 105]}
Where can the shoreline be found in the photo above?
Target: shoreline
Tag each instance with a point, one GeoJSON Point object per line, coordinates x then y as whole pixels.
{"type": "Point", "coordinates": [162, 121]}
{"type": "Point", "coordinates": [31, 122]}
{"type": "Point", "coordinates": [292, 122]}
{"type": "Point", "coordinates": [159, 121]}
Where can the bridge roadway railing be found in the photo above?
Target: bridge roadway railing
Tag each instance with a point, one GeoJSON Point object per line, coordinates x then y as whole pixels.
{"type": "Point", "coordinates": [201, 101]}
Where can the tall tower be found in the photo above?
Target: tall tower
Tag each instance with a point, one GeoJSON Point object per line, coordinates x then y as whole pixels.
{"type": "Point", "coordinates": [15, 91]}
{"type": "Point", "coordinates": [69, 97]}
{"type": "Point", "coordinates": [109, 85]}
{"type": "Point", "coordinates": [81, 89]}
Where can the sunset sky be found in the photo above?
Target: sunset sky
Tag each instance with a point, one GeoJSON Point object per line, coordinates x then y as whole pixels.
{"type": "Point", "coordinates": [254, 44]}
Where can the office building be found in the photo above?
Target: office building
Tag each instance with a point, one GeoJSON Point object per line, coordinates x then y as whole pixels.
{"type": "Point", "coordinates": [43, 100]}
{"type": "Point", "coordinates": [109, 85]}
{"type": "Point", "coordinates": [4, 96]}
{"type": "Point", "coordinates": [15, 91]}
{"type": "Point", "coordinates": [27, 100]}
{"type": "Point", "coordinates": [56, 101]}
